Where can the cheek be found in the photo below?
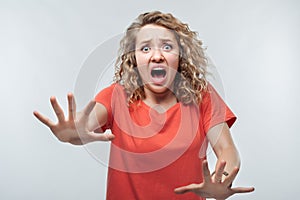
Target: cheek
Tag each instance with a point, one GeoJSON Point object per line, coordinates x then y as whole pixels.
{"type": "Point", "coordinates": [141, 59]}
{"type": "Point", "coordinates": [173, 61]}
{"type": "Point", "coordinates": [141, 62]}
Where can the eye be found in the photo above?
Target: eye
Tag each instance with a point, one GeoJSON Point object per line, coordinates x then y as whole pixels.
{"type": "Point", "coordinates": [167, 47]}
{"type": "Point", "coordinates": [145, 49]}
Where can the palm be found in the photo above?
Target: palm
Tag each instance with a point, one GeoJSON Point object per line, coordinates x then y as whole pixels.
{"type": "Point", "coordinates": [74, 128]}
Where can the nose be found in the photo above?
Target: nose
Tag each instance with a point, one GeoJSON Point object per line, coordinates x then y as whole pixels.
{"type": "Point", "coordinates": [157, 56]}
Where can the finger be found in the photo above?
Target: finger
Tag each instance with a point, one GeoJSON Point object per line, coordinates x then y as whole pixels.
{"type": "Point", "coordinates": [243, 189]}
{"type": "Point", "coordinates": [206, 172]}
{"type": "Point", "coordinates": [88, 109]}
{"type": "Point", "coordinates": [185, 189]}
{"type": "Point", "coordinates": [43, 119]}
{"type": "Point", "coordinates": [57, 109]}
{"type": "Point", "coordinates": [229, 179]}
{"type": "Point", "coordinates": [71, 106]}
{"type": "Point", "coordinates": [219, 171]}
{"type": "Point", "coordinates": [92, 137]}
{"type": "Point", "coordinates": [103, 137]}
{"type": "Point", "coordinates": [181, 190]}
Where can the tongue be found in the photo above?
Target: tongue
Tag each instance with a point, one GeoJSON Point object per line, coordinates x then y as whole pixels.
{"type": "Point", "coordinates": [158, 76]}
{"type": "Point", "coordinates": [158, 79]}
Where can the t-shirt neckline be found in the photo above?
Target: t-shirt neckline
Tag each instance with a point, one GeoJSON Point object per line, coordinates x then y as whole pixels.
{"type": "Point", "coordinates": [173, 107]}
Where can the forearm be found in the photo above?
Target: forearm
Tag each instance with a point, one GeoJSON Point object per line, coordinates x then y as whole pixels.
{"type": "Point", "coordinates": [220, 139]}
{"type": "Point", "coordinates": [231, 156]}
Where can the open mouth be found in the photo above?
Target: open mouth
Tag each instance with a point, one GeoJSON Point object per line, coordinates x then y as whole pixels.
{"type": "Point", "coordinates": [158, 75]}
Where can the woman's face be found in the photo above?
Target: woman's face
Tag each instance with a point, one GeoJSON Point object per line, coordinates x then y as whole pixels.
{"type": "Point", "coordinates": [157, 57]}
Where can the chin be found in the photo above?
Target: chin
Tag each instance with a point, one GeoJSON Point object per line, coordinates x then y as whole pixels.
{"type": "Point", "coordinates": [158, 89]}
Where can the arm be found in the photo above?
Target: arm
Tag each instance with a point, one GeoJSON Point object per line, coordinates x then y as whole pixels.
{"type": "Point", "coordinates": [222, 143]}
{"type": "Point", "coordinates": [77, 128]}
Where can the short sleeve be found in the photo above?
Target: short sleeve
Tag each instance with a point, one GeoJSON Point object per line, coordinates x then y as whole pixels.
{"type": "Point", "coordinates": [105, 98]}
{"type": "Point", "coordinates": [214, 110]}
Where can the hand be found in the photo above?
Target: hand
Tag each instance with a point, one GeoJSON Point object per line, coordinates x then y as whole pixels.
{"type": "Point", "coordinates": [213, 186]}
{"type": "Point", "coordinates": [73, 129]}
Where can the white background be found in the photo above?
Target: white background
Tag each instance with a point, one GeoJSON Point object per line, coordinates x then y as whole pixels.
{"type": "Point", "coordinates": [255, 46]}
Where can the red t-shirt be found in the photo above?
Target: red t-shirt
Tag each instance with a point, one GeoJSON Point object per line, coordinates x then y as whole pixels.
{"type": "Point", "coordinates": [155, 152]}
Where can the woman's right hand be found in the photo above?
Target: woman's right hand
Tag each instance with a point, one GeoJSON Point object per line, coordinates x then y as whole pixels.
{"type": "Point", "coordinates": [74, 128]}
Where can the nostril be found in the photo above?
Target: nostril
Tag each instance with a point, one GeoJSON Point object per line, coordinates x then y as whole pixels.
{"type": "Point", "coordinates": [157, 58]}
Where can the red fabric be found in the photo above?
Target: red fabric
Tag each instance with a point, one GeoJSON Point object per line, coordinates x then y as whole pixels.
{"type": "Point", "coordinates": [153, 153]}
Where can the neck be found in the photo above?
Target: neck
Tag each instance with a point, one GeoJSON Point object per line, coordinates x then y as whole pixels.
{"type": "Point", "coordinates": [165, 100]}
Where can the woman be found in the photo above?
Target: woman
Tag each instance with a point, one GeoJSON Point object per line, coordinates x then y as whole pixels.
{"type": "Point", "coordinates": [161, 112]}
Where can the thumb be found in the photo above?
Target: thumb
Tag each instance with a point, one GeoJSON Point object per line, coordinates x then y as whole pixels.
{"type": "Point", "coordinates": [103, 136]}
{"type": "Point", "coordinates": [185, 189]}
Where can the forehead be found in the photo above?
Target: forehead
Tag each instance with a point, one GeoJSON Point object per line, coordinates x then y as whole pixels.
{"type": "Point", "coordinates": [152, 31]}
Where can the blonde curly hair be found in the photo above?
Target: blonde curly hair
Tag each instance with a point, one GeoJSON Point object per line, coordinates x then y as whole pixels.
{"type": "Point", "coordinates": [190, 81]}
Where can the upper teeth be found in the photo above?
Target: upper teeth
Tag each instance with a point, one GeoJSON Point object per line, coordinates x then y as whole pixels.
{"type": "Point", "coordinates": [158, 69]}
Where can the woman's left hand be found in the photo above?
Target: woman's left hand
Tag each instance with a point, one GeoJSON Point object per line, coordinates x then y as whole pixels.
{"type": "Point", "coordinates": [213, 186]}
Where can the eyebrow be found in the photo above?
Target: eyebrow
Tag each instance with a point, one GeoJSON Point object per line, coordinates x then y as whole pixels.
{"type": "Point", "coordinates": [143, 42]}
{"type": "Point", "coordinates": [167, 40]}
{"type": "Point", "coordinates": [149, 40]}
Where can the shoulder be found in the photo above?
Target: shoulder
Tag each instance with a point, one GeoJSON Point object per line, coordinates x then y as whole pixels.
{"type": "Point", "coordinates": [111, 87]}
{"type": "Point", "coordinates": [211, 99]}
{"type": "Point", "coordinates": [108, 91]}
{"type": "Point", "coordinates": [206, 93]}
